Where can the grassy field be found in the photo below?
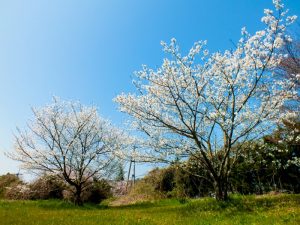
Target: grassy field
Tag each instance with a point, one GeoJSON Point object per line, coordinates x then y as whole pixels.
{"type": "Point", "coordinates": [277, 209]}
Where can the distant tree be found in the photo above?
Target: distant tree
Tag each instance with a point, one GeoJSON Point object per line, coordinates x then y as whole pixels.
{"type": "Point", "coordinates": [71, 141]}
{"type": "Point", "coordinates": [120, 172]}
{"type": "Point", "coordinates": [205, 106]}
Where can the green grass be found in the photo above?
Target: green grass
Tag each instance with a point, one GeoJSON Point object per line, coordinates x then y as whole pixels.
{"type": "Point", "coordinates": [277, 209]}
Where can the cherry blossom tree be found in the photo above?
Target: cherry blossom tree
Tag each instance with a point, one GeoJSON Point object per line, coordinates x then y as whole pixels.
{"type": "Point", "coordinates": [71, 141]}
{"type": "Point", "coordinates": [205, 105]}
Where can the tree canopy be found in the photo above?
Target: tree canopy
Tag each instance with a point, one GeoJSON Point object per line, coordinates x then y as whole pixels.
{"type": "Point", "coordinates": [71, 141]}
{"type": "Point", "coordinates": [204, 104]}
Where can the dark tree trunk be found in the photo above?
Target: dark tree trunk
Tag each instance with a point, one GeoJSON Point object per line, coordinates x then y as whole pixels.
{"type": "Point", "coordinates": [77, 196]}
{"type": "Point", "coordinates": [221, 189]}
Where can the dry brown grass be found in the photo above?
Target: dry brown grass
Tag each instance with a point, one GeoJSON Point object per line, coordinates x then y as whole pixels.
{"type": "Point", "coordinates": [141, 192]}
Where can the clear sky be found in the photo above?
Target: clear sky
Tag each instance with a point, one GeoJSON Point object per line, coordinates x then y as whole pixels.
{"type": "Point", "coordinates": [88, 50]}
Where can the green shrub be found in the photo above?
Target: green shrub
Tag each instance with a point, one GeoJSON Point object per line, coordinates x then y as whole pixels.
{"type": "Point", "coordinates": [17, 192]}
{"type": "Point", "coordinates": [47, 187]}
{"type": "Point", "coordinates": [97, 192]}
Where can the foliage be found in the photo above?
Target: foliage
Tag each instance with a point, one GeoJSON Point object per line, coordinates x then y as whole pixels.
{"type": "Point", "coordinates": [162, 180]}
{"type": "Point", "coordinates": [97, 191]}
{"type": "Point", "coordinates": [18, 192]}
{"type": "Point", "coordinates": [286, 139]}
{"type": "Point", "coordinates": [47, 187]}
{"type": "Point", "coordinates": [192, 180]}
{"type": "Point", "coordinates": [266, 167]}
{"type": "Point", "coordinates": [175, 181]}
{"type": "Point", "coordinates": [7, 181]}
{"type": "Point", "coordinates": [120, 173]}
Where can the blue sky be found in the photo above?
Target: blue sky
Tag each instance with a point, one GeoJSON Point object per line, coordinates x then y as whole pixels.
{"type": "Point", "coordinates": [88, 50]}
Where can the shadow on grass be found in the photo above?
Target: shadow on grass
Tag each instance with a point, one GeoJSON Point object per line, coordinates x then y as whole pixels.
{"type": "Point", "coordinates": [60, 205]}
{"type": "Point", "coordinates": [235, 204]}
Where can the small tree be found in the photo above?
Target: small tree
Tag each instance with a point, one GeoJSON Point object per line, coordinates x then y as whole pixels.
{"type": "Point", "coordinates": [71, 141]}
{"type": "Point", "coordinates": [120, 173]}
{"type": "Point", "coordinates": [204, 106]}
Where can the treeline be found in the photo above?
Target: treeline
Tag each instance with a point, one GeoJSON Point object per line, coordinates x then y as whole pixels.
{"type": "Point", "coordinates": [51, 187]}
{"type": "Point", "coordinates": [266, 165]}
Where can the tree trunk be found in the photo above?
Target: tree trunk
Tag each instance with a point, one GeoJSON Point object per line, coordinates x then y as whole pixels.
{"type": "Point", "coordinates": [77, 198]}
{"type": "Point", "coordinates": [221, 189]}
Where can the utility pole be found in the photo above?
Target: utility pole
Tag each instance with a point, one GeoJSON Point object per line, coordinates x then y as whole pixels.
{"type": "Point", "coordinates": [133, 174]}
{"type": "Point", "coordinates": [128, 176]}
{"type": "Point", "coordinates": [132, 161]}
{"type": "Point", "coordinates": [18, 174]}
